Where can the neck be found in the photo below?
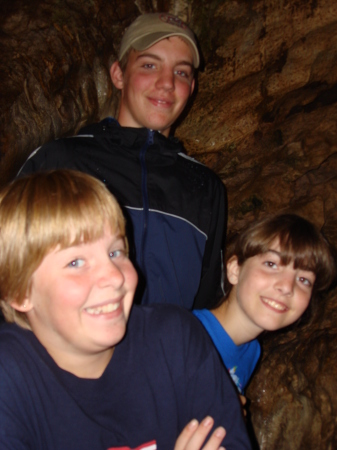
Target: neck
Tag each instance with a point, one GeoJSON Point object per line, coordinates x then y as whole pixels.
{"type": "Point", "coordinates": [92, 366]}
{"type": "Point", "coordinates": [124, 121]}
{"type": "Point", "coordinates": [83, 365]}
{"type": "Point", "coordinates": [234, 323]}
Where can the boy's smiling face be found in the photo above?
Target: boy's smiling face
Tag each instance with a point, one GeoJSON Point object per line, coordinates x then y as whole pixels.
{"type": "Point", "coordinates": [155, 85]}
{"type": "Point", "coordinates": [80, 302]}
{"type": "Point", "coordinates": [266, 294]}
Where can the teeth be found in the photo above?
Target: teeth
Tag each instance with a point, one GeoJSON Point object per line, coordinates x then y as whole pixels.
{"type": "Point", "coordinates": [274, 304]}
{"type": "Point", "coordinates": [103, 309]}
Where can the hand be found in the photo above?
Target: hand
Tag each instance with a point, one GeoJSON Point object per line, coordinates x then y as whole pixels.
{"type": "Point", "coordinates": [194, 434]}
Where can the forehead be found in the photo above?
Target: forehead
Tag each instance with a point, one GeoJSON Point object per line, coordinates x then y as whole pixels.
{"type": "Point", "coordinates": [88, 239]}
{"type": "Point", "coordinates": [173, 48]}
{"type": "Point", "coordinates": [288, 257]}
{"type": "Point", "coordinates": [275, 246]}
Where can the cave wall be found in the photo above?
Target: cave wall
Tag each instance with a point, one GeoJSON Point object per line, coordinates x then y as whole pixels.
{"type": "Point", "coordinates": [264, 118]}
{"type": "Point", "coordinates": [265, 115]}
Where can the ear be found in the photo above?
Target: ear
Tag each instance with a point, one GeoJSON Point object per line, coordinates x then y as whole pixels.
{"type": "Point", "coordinates": [24, 306]}
{"type": "Point", "coordinates": [233, 270]}
{"type": "Point", "coordinates": [116, 75]}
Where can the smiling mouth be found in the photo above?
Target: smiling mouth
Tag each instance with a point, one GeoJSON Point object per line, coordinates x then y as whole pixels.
{"type": "Point", "coordinates": [274, 304]}
{"type": "Point", "coordinates": [161, 102]}
{"type": "Point", "coordinates": [105, 309]}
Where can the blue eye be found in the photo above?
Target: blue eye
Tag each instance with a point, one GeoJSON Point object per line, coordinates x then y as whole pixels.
{"type": "Point", "coordinates": [116, 254]}
{"type": "Point", "coordinates": [182, 73]}
{"type": "Point", "coordinates": [76, 263]}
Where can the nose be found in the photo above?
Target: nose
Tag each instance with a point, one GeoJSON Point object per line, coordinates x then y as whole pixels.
{"type": "Point", "coordinates": [165, 80]}
{"type": "Point", "coordinates": [110, 274]}
{"type": "Point", "coordinates": [285, 283]}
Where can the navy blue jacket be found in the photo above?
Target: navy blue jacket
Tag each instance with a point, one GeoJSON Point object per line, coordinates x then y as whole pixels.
{"type": "Point", "coordinates": [175, 207]}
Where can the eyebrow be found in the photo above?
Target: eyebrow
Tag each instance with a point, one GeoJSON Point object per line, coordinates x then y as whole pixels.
{"type": "Point", "coordinates": [185, 63]}
{"type": "Point", "coordinates": [158, 58]}
{"type": "Point", "coordinates": [273, 251]}
{"type": "Point", "coordinates": [148, 55]}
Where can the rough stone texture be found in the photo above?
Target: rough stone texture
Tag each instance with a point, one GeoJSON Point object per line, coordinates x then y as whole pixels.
{"type": "Point", "coordinates": [264, 118]}
{"type": "Point", "coordinates": [265, 115]}
{"type": "Point", "coordinates": [293, 395]}
{"type": "Point", "coordinates": [54, 66]}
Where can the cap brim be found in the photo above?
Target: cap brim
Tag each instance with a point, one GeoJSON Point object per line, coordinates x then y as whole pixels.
{"type": "Point", "coordinates": [147, 41]}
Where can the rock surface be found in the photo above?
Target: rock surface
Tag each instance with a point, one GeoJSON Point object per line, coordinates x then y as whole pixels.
{"type": "Point", "coordinates": [55, 63]}
{"type": "Point", "coordinates": [264, 118]}
{"type": "Point", "coordinates": [293, 399]}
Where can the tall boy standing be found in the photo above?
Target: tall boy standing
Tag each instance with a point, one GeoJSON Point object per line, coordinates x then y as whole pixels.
{"type": "Point", "coordinates": [175, 206]}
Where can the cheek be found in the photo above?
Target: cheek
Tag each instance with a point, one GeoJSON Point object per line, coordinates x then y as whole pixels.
{"type": "Point", "coordinates": [72, 293]}
{"type": "Point", "coordinates": [251, 280]}
{"type": "Point", "coordinates": [304, 302]}
{"type": "Point", "coordinates": [136, 83]}
{"type": "Point", "coordinates": [131, 277]}
{"type": "Point", "coordinates": [41, 294]}
{"type": "Point", "coordinates": [184, 90]}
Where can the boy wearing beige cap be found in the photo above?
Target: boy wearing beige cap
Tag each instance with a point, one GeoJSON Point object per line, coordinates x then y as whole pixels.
{"type": "Point", "coordinates": [160, 54]}
{"type": "Point", "coordinates": [175, 206]}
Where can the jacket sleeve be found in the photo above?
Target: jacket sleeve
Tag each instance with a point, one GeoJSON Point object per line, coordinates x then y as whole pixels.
{"type": "Point", "coordinates": [212, 273]}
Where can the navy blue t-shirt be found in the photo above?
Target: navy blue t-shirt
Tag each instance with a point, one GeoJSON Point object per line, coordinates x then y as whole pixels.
{"type": "Point", "coordinates": [164, 373]}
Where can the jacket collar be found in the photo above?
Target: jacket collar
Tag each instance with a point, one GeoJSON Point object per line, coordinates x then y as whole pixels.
{"type": "Point", "coordinates": [132, 139]}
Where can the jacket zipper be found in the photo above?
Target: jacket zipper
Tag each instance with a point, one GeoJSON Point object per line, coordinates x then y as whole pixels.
{"type": "Point", "coordinates": [149, 141]}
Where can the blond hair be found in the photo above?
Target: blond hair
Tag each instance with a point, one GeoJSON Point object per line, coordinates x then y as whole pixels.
{"type": "Point", "coordinates": [44, 210]}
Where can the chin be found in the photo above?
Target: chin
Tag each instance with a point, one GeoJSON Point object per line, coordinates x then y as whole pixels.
{"type": "Point", "coordinates": [159, 128]}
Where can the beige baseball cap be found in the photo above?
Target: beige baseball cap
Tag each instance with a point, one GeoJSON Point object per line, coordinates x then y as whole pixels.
{"type": "Point", "coordinates": [148, 29]}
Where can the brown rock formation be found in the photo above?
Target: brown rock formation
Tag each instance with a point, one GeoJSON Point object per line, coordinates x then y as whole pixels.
{"type": "Point", "coordinates": [264, 118]}
{"type": "Point", "coordinates": [265, 114]}
{"type": "Point", "coordinates": [293, 393]}
{"type": "Point", "coordinates": [54, 63]}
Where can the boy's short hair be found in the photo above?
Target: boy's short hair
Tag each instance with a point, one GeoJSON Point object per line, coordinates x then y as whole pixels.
{"type": "Point", "coordinates": [148, 29]}
{"type": "Point", "coordinates": [41, 212]}
{"type": "Point", "coordinates": [300, 241]}
{"type": "Point", "coordinates": [123, 62]}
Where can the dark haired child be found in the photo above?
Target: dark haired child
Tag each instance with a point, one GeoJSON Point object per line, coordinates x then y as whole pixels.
{"type": "Point", "coordinates": [274, 269]}
{"type": "Point", "coordinates": [81, 368]}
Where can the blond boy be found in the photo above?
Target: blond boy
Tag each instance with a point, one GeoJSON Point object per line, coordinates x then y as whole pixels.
{"type": "Point", "coordinates": [79, 367]}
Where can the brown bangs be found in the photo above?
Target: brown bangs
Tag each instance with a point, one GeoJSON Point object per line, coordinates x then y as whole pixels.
{"type": "Point", "coordinates": [300, 242]}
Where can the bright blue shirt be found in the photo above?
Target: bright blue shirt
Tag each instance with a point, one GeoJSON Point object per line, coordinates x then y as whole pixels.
{"type": "Point", "coordinates": [240, 360]}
